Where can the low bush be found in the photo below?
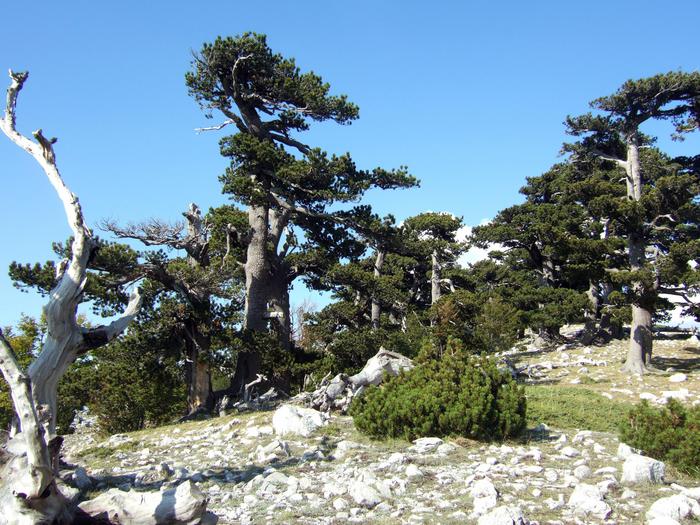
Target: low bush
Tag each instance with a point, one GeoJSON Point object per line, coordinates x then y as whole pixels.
{"type": "Point", "coordinates": [670, 433]}
{"type": "Point", "coordinates": [457, 394]}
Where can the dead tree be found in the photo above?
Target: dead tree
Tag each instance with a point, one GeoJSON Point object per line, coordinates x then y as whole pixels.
{"type": "Point", "coordinates": [28, 491]}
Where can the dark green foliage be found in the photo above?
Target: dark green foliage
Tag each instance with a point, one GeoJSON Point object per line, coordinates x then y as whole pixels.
{"type": "Point", "coordinates": [456, 394]}
{"type": "Point", "coordinates": [497, 325]}
{"type": "Point", "coordinates": [670, 433]}
{"type": "Point", "coordinates": [135, 387]}
{"type": "Point", "coordinates": [111, 267]}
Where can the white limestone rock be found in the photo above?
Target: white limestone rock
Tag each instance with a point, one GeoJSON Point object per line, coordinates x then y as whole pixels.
{"type": "Point", "coordinates": [413, 473]}
{"type": "Point", "coordinates": [364, 494]}
{"type": "Point", "coordinates": [587, 500]}
{"type": "Point", "coordinates": [485, 496]}
{"type": "Point", "coordinates": [290, 419]}
{"type": "Point", "coordinates": [504, 515]}
{"type": "Point", "coordinates": [624, 451]}
{"type": "Point", "coordinates": [425, 445]}
{"type": "Point", "coordinates": [641, 469]}
{"type": "Point", "coordinates": [582, 472]}
{"type": "Point", "coordinates": [678, 378]}
{"type": "Point", "coordinates": [677, 507]}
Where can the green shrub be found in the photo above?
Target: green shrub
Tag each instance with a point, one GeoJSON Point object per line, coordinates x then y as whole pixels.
{"type": "Point", "coordinates": [457, 394]}
{"type": "Point", "coordinates": [670, 433]}
{"type": "Point", "coordinates": [136, 386]}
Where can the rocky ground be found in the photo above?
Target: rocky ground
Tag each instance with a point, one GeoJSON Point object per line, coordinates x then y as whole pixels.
{"type": "Point", "coordinates": [256, 470]}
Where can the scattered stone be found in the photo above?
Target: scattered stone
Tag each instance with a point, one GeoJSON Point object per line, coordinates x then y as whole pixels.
{"type": "Point", "coordinates": [570, 452]}
{"type": "Point", "coordinates": [81, 479]}
{"type": "Point", "coordinates": [641, 469]}
{"type": "Point", "coordinates": [628, 494]}
{"type": "Point", "coordinates": [364, 494]}
{"type": "Point", "coordinates": [678, 378]}
{"type": "Point", "coordinates": [693, 493]}
{"type": "Point", "coordinates": [504, 515]}
{"type": "Point", "coordinates": [586, 500]}
{"type": "Point", "coordinates": [342, 448]}
{"type": "Point", "coordinates": [582, 472]}
{"type": "Point", "coordinates": [340, 504]}
{"type": "Point", "coordinates": [290, 419]}
{"type": "Point", "coordinates": [551, 475]}
{"type": "Point", "coordinates": [624, 451]}
{"type": "Point", "coordinates": [413, 473]}
{"type": "Point", "coordinates": [445, 449]}
{"type": "Point", "coordinates": [425, 445]}
{"type": "Point", "coordinates": [485, 496]}
{"type": "Point", "coordinates": [677, 507]}
{"type": "Point", "coordinates": [582, 436]}
{"type": "Point", "coordinates": [681, 394]}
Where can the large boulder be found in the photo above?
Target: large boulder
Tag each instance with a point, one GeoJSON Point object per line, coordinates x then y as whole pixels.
{"type": "Point", "coordinates": [677, 507]}
{"type": "Point", "coordinates": [290, 419]}
{"type": "Point", "coordinates": [639, 469]}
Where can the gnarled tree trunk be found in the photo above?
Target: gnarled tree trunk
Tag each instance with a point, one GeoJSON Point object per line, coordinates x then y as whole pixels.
{"type": "Point", "coordinates": [28, 491]}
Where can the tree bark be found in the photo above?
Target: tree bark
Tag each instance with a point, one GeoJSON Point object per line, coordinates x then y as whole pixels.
{"type": "Point", "coordinates": [184, 504]}
{"type": "Point", "coordinates": [257, 271]}
{"type": "Point", "coordinates": [279, 310]}
{"type": "Point", "coordinates": [641, 339]}
{"type": "Point", "coordinates": [435, 291]}
{"type": "Point", "coordinates": [592, 314]}
{"type": "Point", "coordinates": [257, 276]}
{"type": "Point", "coordinates": [376, 307]}
{"type": "Point", "coordinates": [199, 388]}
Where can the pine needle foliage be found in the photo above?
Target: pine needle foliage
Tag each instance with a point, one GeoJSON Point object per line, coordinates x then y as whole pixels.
{"type": "Point", "coordinates": [455, 395]}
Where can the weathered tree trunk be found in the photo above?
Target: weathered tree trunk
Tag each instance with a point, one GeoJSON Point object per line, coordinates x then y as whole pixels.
{"type": "Point", "coordinates": [184, 504]}
{"type": "Point", "coordinates": [198, 370]}
{"type": "Point", "coordinates": [28, 491]}
{"type": "Point", "coordinates": [641, 339]}
{"type": "Point", "coordinates": [279, 310]}
{"type": "Point", "coordinates": [435, 291]}
{"type": "Point", "coordinates": [257, 276]}
{"type": "Point", "coordinates": [257, 271]}
{"type": "Point", "coordinates": [592, 314]}
{"type": "Point", "coordinates": [376, 307]}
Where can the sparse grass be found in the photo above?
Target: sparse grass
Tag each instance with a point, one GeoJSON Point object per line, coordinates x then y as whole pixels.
{"type": "Point", "coordinates": [573, 408]}
{"type": "Point", "coordinates": [104, 452]}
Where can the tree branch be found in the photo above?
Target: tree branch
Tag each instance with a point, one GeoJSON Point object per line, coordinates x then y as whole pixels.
{"type": "Point", "coordinates": [101, 335]}
{"type": "Point", "coordinates": [151, 233]}
{"type": "Point", "coordinates": [39, 474]}
{"type": "Point", "coordinates": [603, 156]}
{"type": "Point", "coordinates": [303, 148]}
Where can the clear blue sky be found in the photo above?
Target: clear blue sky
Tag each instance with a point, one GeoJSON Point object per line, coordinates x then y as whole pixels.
{"type": "Point", "coordinates": [469, 95]}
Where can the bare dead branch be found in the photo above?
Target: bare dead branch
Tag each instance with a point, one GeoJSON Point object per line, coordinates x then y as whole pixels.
{"type": "Point", "coordinates": [39, 474]}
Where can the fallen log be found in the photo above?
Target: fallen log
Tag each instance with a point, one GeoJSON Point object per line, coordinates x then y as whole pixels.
{"type": "Point", "coordinates": [184, 505]}
{"type": "Point", "coordinates": [338, 392]}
